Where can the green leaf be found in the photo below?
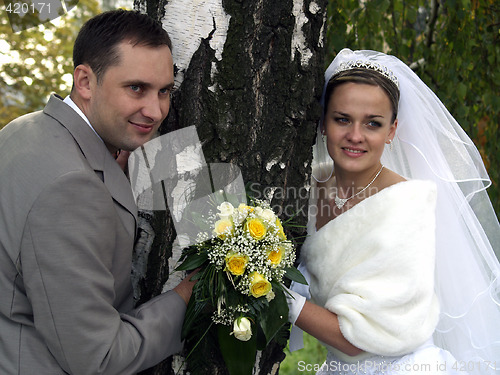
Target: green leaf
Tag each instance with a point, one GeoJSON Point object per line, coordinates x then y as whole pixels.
{"type": "Point", "coordinates": [261, 338]}
{"type": "Point", "coordinates": [294, 274]}
{"type": "Point", "coordinates": [193, 261]}
{"type": "Point", "coordinates": [239, 356]}
{"type": "Point", "coordinates": [274, 317]}
{"type": "Point", "coordinates": [193, 311]}
{"type": "Point", "coordinates": [461, 90]}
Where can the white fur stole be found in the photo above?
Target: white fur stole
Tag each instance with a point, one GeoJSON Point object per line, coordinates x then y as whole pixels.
{"type": "Point", "coordinates": [373, 266]}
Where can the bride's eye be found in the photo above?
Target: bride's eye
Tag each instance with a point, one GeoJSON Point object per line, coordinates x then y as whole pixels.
{"type": "Point", "coordinates": [375, 124]}
{"type": "Point", "coordinates": [342, 120]}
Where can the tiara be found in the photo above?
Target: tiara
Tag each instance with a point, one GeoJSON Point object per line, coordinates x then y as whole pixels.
{"type": "Point", "coordinates": [353, 64]}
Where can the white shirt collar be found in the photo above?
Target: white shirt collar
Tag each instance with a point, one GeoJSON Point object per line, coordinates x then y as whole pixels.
{"type": "Point", "coordinates": [72, 104]}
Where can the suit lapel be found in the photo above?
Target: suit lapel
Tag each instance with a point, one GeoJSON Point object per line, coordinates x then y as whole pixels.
{"type": "Point", "coordinates": [95, 151]}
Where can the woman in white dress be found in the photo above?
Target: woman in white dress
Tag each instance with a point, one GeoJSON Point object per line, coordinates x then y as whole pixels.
{"type": "Point", "coordinates": [400, 256]}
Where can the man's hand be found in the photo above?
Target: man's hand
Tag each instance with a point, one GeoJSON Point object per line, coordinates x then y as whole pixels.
{"type": "Point", "coordinates": [185, 287]}
{"type": "Point", "coordinates": [122, 160]}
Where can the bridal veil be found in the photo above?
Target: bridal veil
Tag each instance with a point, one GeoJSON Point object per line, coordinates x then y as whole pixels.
{"type": "Point", "coordinates": [431, 145]}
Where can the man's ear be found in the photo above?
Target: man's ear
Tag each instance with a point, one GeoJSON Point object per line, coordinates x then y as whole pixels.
{"type": "Point", "coordinates": [83, 80]}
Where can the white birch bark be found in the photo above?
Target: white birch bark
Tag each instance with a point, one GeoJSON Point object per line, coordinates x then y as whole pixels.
{"type": "Point", "coordinates": [249, 75]}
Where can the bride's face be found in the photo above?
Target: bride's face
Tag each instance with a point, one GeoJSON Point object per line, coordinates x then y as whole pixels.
{"type": "Point", "coordinates": [358, 125]}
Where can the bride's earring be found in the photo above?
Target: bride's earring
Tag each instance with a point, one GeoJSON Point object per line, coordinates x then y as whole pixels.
{"type": "Point", "coordinates": [390, 143]}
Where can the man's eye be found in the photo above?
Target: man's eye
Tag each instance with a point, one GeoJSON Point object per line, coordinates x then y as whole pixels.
{"type": "Point", "coordinates": [135, 88]}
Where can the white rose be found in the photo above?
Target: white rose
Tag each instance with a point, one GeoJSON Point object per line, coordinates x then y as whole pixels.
{"type": "Point", "coordinates": [242, 213]}
{"type": "Point", "coordinates": [244, 209]}
{"type": "Point", "coordinates": [226, 210]}
{"type": "Point", "coordinates": [242, 329]}
{"type": "Point", "coordinates": [268, 215]}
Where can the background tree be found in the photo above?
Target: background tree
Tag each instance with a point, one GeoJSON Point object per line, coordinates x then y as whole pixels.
{"type": "Point", "coordinates": [251, 86]}
{"type": "Point", "coordinates": [39, 61]}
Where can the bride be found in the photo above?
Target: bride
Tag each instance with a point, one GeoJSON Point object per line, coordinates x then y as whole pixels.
{"type": "Point", "coordinates": [401, 268]}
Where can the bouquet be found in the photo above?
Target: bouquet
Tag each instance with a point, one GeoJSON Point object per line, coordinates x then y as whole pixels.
{"type": "Point", "coordinates": [239, 298]}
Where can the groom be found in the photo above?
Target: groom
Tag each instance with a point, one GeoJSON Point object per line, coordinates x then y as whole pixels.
{"type": "Point", "coordinates": [68, 218]}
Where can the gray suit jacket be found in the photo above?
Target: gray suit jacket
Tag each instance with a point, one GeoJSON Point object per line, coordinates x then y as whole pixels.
{"type": "Point", "coordinates": [67, 227]}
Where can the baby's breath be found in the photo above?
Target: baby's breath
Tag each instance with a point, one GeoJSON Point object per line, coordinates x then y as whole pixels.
{"type": "Point", "coordinates": [228, 315]}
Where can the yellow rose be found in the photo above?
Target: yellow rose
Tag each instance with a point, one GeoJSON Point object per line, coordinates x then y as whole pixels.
{"type": "Point", "coordinates": [275, 256]}
{"type": "Point", "coordinates": [236, 263]}
{"type": "Point", "coordinates": [256, 228]}
{"type": "Point", "coordinates": [223, 228]}
{"type": "Point", "coordinates": [259, 286]}
{"type": "Point", "coordinates": [281, 232]}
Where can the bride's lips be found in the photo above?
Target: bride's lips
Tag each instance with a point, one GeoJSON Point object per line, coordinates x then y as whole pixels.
{"type": "Point", "coordinates": [143, 128]}
{"type": "Point", "coordinates": [353, 152]}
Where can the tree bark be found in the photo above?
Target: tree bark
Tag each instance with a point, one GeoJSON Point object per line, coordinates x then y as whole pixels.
{"type": "Point", "coordinates": [249, 75]}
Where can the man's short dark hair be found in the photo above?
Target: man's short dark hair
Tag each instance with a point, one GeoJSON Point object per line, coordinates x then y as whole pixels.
{"type": "Point", "coordinates": [97, 41]}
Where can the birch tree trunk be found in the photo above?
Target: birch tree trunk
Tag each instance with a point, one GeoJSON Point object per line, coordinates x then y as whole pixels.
{"type": "Point", "coordinates": [249, 75]}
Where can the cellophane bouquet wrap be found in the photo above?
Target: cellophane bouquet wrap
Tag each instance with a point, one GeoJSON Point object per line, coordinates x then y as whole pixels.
{"type": "Point", "coordinates": [238, 303]}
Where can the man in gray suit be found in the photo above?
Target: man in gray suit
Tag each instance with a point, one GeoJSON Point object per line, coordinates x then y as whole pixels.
{"type": "Point", "coordinates": [68, 217]}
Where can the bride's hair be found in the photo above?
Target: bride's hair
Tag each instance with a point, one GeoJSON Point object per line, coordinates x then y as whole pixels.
{"type": "Point", "coordinates": [365, 76]}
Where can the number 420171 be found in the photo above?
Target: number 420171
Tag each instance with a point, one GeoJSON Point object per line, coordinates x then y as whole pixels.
{"type": "Point", "coordinates": [23, 8]}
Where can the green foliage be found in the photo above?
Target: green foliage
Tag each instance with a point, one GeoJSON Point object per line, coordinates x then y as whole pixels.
{"type": "Point", "coordinates": [453, 46]}
{"type": "Point", "coordinates": [40, 61]}
{"type": "Point", "coordinates": [304, 361]}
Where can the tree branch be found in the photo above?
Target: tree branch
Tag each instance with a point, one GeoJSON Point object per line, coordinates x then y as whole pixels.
{"type": "Point", "coordinates": [417, 64]}
{"type": "Point", "coordinates": [429, 33]}
{"type": "Point", "coordinates": [431, 24]}
{"type": "Point", "coordinates": [394, 28]}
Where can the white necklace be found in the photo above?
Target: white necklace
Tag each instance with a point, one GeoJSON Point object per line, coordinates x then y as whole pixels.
{"type": "Point", "coordinates": [340, 202]}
